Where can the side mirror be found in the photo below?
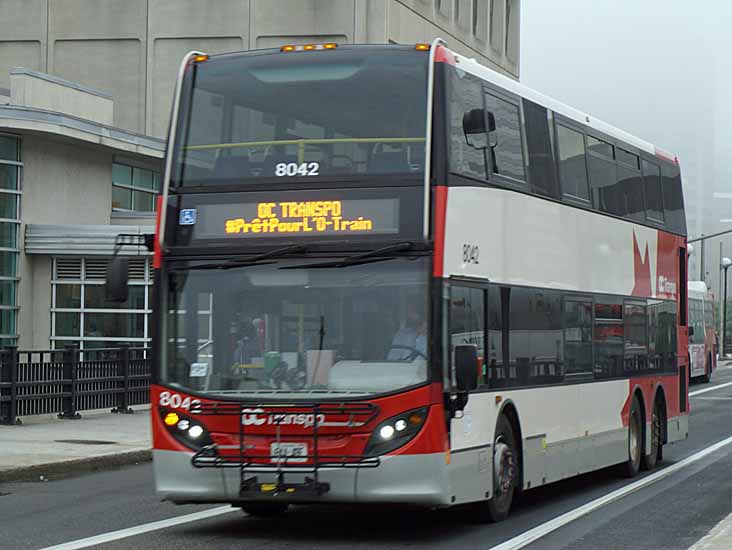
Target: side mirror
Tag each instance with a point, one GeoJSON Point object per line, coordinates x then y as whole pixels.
{"type": "Point", "coordinates": [474, 122]}
{"type": "Point", "coordinates": [117, 277]}
{"type": "Point", "coordinates": [691, 330]}
{"type": "Point", "coordinates": [466, 365]}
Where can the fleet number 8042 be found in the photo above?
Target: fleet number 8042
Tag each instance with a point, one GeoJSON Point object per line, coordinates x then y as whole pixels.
{"type": "Point", "coordinates": [295, 169]}
{"type": "Point", "coordinates": [176, 401]}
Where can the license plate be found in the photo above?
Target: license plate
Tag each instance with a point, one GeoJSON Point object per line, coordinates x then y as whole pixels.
{"type": "Point", "coordinates": [293, 452]}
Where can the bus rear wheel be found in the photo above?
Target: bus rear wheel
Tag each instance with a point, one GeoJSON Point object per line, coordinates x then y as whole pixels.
{"type": "Point", "coordinates": [630, 467]}
{"type": "Point", "coordinates": [505, 475]}
{"type": "Point", "coordinates": [264, 509]}
{"type": "Point", "coordinates": [649, 460]}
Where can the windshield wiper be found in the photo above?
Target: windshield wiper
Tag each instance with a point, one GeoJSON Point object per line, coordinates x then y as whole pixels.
{"type": "Point", "coordinates": [378, 255]}
{"type": "Point", "coordinates": [254, 260]}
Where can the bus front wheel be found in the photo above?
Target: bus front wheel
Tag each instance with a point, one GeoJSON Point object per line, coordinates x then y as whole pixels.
{"type": "Point", "coordinates": [505, 475]}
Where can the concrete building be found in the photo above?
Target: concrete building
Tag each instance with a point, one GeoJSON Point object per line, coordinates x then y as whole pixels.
{"type": "Point", "coordinates": [131, 48]}
{"type": "Point", "coordinates": [85, 95]}
{"type": "Point", "coordinates": [69, 182]}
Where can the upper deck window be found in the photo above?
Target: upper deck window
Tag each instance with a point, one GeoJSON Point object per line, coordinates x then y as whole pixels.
{"type": "Point", "coordinates": [344, 112]}
{"type": "Point", "coordinates": [572, 166]}
{"type": "Point", "coordinates": [505, 144]}
{"type": "Point", "coordinates": [653, 191]}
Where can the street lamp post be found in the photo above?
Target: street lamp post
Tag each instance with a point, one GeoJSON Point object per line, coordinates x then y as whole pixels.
{"type": "Point", "coordinates": [726, 262]}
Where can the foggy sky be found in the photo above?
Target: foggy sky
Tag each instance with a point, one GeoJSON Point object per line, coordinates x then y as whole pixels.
{"type": "Point", "coordinates": [658, 69]}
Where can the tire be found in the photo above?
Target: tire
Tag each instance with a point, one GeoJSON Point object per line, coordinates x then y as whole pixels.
{"type": "Point", "coordinates": [649, 461]}
{"type": "Point", "coordinates": [505, 475]}
{"type": "Point", "coordinates": [264, 509]}
{"type": "Point", "coordinates": [707, 371]}
{"type": "Point", "coordinates": [631, 467]}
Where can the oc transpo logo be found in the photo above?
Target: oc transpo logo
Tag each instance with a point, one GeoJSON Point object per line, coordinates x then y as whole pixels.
{"type": "Point", "coordinates": [256, 417]}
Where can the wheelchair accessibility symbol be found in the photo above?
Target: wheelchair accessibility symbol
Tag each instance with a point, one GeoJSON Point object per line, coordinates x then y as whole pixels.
{"type": "Point", "coordinates": [187, 216]}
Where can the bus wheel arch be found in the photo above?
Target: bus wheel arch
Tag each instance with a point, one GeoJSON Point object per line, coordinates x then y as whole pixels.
{"type": "Point", "coordinates": [509, 411]}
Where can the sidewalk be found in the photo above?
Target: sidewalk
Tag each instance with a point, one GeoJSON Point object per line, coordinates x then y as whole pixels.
{"type": "Point", "coordinates": [45, 446]}
{"type": "Point", "coordinates": [719, 538]}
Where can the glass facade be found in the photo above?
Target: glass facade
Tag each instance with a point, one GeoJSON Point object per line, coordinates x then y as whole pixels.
{"type": "Point", "coordinates": [10, 174]}
{"type": "Point", "coordinates": [81, 315]}
{"type": "Point", "coordinates": [133, 188]}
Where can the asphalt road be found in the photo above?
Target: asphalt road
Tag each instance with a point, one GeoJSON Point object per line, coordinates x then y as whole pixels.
{"type": "Point", "coordinates": [671, 513]}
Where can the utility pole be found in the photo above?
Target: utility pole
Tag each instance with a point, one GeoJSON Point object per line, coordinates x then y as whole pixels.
{"type": "Point", "coordinates": [720, 349]}
{"type": "Point", "coordinates": [701, 260]}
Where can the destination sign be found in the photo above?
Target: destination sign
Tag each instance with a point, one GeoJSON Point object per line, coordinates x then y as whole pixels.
{"type": "Point", "coordinates": [298, 218]}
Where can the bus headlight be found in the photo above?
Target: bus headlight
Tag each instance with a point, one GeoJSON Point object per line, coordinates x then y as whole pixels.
{"type": "Point", "coordinates": [396, 431]}
{"type": "Point", "coordinates": [187, 431]}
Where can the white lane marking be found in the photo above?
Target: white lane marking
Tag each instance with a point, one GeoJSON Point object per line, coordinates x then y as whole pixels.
{"type": "Point", "coordinates": [140, 529]}
{"type": "Point", "coordinates": [715, 398]}
{"type": "Point", "coordinates": [710, 388]}
{"type": "Point", "coordinates": [532, 535]}
{"type": "Point", "coordinates": [717, 538]}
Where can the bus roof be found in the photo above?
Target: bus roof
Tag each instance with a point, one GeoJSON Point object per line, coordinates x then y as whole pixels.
{"type": "Point", "coordinates": [698, 289]}
{"type": "Point", "coordinates": [472, 66]}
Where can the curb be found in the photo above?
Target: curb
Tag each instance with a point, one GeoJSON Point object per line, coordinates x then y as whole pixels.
{"type": "Point", "coordinates": [69, 468]}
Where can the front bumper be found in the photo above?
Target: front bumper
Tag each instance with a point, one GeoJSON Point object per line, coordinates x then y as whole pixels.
{"type": "Point", "coordinates": [419, 479]}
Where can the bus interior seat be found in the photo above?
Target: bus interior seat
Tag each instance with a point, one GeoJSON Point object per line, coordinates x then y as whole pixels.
{"type": "Point", "coordinates": [389, 160]}
{"type": "Point", "coordinates": [396, 158]}
{"type": "Point", "coordinates": [231, 166]}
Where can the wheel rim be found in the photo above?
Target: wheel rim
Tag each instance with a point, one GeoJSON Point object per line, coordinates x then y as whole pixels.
{"type": "Point", "coordinates": [503, 467]}
{"type": "Point", "coordinates": [634, 448]}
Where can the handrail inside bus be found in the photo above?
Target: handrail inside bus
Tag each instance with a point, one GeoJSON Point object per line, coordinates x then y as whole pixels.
{"type": "Point", "coordinates": [303, 141]}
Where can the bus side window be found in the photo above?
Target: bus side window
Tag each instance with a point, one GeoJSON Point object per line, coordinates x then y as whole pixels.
{"type": "Point", "coordinates": [466, 157]}
{"type": "Point", "coordinates": [505, 142]}
{"type": "Point", "coordinates": [467, 324]}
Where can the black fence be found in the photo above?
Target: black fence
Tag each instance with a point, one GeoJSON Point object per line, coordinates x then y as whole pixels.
{"type": "Point", "coordinates": [66, 381]}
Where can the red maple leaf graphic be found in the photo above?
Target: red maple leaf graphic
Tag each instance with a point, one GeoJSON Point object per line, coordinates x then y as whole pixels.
{"type": "Point", "coordinates": [642, 271]}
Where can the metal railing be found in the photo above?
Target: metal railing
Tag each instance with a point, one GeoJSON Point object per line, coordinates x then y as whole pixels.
{"type": "Point", "coordinates": [66, 381]}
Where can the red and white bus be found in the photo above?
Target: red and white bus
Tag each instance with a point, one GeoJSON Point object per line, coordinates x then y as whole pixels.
{"type": "Point", "coordinates": [388, 274]}
{"type": "Point", "coordinates": [702, 336]}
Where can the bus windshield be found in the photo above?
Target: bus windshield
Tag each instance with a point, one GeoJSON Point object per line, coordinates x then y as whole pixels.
{"type": "Point", "coordinates": [286, 327]}
{"type": "Point", "coordinates": [343, 112]}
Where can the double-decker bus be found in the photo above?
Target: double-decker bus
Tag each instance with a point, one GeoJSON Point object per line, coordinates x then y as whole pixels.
{"type": "Point", "coordinates": [702, 336]}
{"type": "Point", "coordinates": [388, 274]}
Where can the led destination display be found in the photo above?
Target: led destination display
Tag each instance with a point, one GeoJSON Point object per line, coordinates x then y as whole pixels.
{"type": "Point", "coordinates": [298, 218]}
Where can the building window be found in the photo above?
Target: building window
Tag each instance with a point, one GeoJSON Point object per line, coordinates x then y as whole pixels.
{"type": "Point", "coordinates": [133, 188]}
{"type": "Point", "coordinates": [81, 316]}
{"type": "Point", "coordinates": [10, 166]}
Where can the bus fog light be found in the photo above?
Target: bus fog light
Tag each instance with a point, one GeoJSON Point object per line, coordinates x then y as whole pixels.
{"type": "Point", "coordinates": [183, 425]}
{"type": "Point", "coordinates": [400, 425]}
{"type": "Point", "coordinates": [195, 431]}
{"type": "Point", "coordinates": [386, 432]}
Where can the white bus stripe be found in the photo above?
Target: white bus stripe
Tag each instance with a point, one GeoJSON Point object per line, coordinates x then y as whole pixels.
{"type": "Point", "coordinates": [532, 535]}
{"type": "Point", "coordinates": [140, 529]}
{"type": "Point", "coordinates": [711, 388]}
